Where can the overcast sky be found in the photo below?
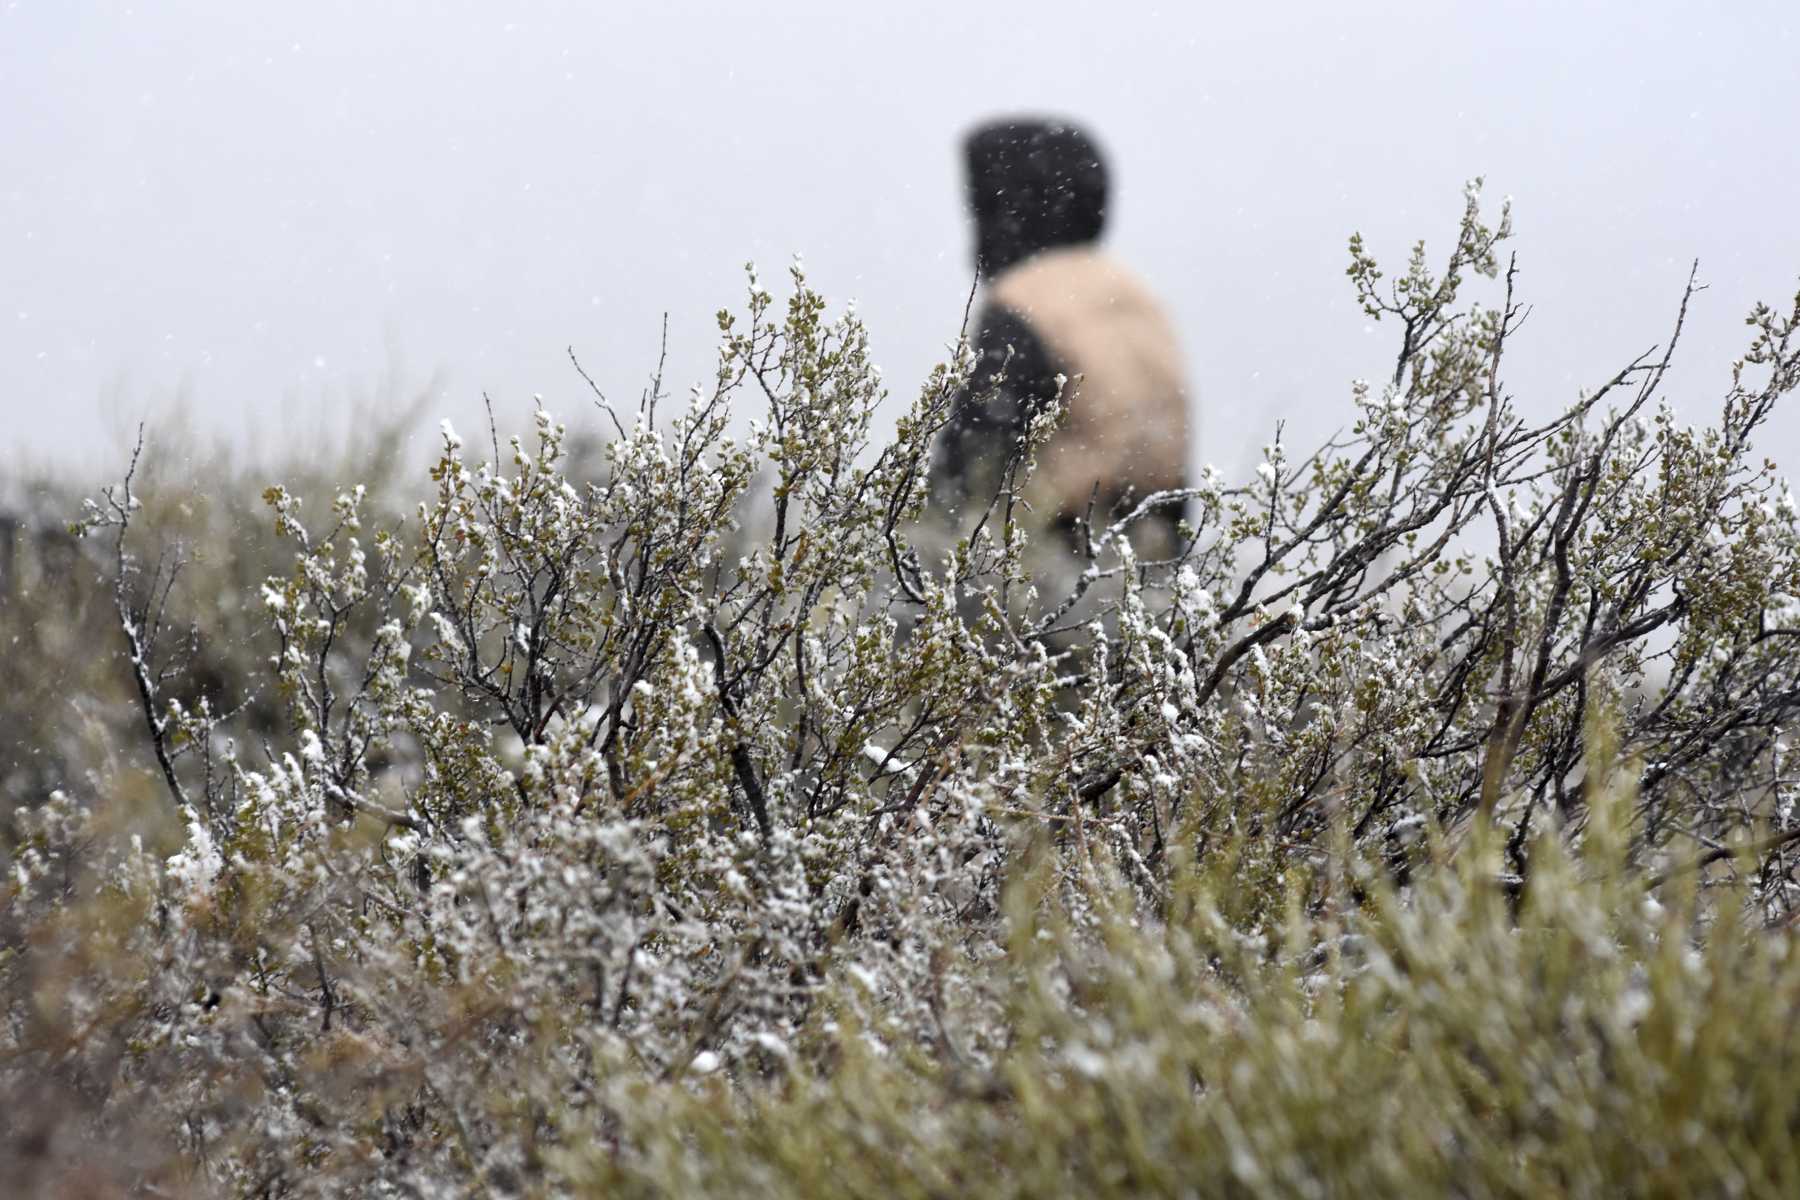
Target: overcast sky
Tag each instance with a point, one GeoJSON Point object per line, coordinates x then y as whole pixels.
{"type": "Point", "coordinates": [283, 213]}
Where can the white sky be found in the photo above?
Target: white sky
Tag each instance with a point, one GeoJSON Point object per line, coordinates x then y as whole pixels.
{"type": "Point", "coordinates": [283, 213]}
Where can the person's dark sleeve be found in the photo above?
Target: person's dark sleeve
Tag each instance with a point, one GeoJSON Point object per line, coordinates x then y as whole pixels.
{"type": "Point", "coordinates": [1014, 377]}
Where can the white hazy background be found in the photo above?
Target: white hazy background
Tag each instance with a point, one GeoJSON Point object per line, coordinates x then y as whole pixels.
{"type": "Point", "coordinates": [273, 217]}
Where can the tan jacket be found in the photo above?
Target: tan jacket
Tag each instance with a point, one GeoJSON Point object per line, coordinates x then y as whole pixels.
{"type": "Point", "coordinates": [1127, 424]}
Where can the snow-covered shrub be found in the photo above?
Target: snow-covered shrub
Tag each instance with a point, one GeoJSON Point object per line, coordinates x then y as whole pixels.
{"type": "Point", "coordinates": [1587, 1040]}
{"type": "Point", "coordinates": [727, 823]}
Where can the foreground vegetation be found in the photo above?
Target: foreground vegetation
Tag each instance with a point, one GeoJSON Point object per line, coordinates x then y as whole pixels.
{"type": "Point", "coordinates": [713, 820]}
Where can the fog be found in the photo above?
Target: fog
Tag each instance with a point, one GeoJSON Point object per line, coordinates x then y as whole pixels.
{"type": "Point", "coordinates": [280, 219]}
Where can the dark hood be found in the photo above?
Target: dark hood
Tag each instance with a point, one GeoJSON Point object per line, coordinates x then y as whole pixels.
{"type": "Point", "coordinates": [1033, 184]}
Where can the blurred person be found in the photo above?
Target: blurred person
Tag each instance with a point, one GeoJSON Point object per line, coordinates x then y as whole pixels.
{"type": "Point", "coordinates": [1055, 304]}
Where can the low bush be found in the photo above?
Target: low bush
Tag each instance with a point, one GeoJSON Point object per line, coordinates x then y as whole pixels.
{"type": "Point", "coordinates": [725, 823]}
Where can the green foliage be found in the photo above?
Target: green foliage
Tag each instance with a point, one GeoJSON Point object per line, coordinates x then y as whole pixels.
{"type": "Point", "coordinates": [1587, 1040]}
{"type": "Point", "coordinates": [719, 821]}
